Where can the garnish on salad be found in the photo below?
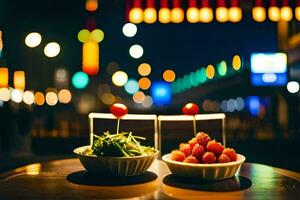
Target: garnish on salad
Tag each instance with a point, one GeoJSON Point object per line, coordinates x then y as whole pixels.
{"type": "Point", "coordinates": [118, 145]}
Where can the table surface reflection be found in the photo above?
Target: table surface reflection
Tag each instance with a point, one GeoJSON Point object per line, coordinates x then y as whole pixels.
{"type": "Point", "coordinates": [66, 179]}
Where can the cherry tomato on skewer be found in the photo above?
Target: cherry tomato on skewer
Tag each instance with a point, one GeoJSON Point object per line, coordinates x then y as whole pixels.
{"type": "Point", "coordinates": [190, 109]}
{"type": "Point", "coordinates": [118, 110]}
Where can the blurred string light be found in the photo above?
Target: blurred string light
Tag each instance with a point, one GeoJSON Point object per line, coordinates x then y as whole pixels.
{"type": "Point", "coordinates": [235, 12]}
{"type": "Point", "coordinates": [64, 96]}
{"type": "Point", "coordinates": [150, 14]}
{"type": "Point", "coordinates": [80, 80]}
{"type": "Point", "coordinates": [274, 11]}
{"type": "Point", "coordinates": [52, 49]}
{"type": "Point", "coordinates": [192, 13]}
{"type": "Point", "coordinates": [51, 97]}
{"type": "Point", "coordinates": [136, 14]}
{"type": "Point", "coordinates": [161, 93]}
{"type": "Point", "coordinates": [28, 97]}
{"type": "Point", "coordinates": [147, 103]}
{"type": "Point", "coordinates": [297, 10]}
{"type": "Point", "coordinates": [91, 5]}
{"type": "Point", "coordinates": [222, 68]}
{"type": "Point", "coordinates": [210, 71]}
{"type": "Point", "coordinates": [129, 29]}
{"type": "Point", "coordinates": [33, 39]}
{"type": "Point", "coordinates": [177, 13]}
{"type": "Point", "coordinates": [39, 98]}
{"type": "Point", "coordinates": [293, 87]}
{"type": "Point", "coordinates": [206, 14]}
{"type": "Point", "coordinates": [259, 11]}
{"type": "Point", "coordinates": [144, 69]}
{"type": "Point", "coordinates": [4, 77]}
{"type": "Point", "coordinates": [236, 62]}
{"type": "Point", "coordinates": [19, 80]}
{"type": "Point", "coordinates": [119, 78]}
{"type": "Point", "coordinates": [61, 78]}
{"type": "Point", "coordinates": [108, 98]}
{"type": "Point", "coordinates": [17, 95]}
{"type": "Point", "coordinates": [286, 12]}
{"type": "Point", "coordinates": [169, 75]}
{"type": "Point", "coordinates": [138, 97]}
{"type": "Point", "coordinates": [221, 11]}
{"type": "Point", "coordinates": [164, 13]}
{"type": "Point", "coordinates": [232, 104]}
{"type": "Point", "coordinates": [131, 86]}
{"type": "Point", "coordinates": [1, 44]}
{"type": "Point", "coordinates": [239, 103]}
{"type": "Point", "coordinates": [112, 67]}
{"type": "Point", "coordinates": [144, 83]}
{"type": "Point", "coordinates": [4, 94]}
{"type": "Point", "coordinates": [136, 51]}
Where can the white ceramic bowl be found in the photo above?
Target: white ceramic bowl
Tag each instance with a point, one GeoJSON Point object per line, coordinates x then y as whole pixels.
{"type": "Point", "coordinates": [115, 166]}
{"type": "Point", "coordinates": [215, 171]}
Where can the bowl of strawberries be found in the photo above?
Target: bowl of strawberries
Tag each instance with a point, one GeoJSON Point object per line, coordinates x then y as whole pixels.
{"type": "Point", "coordinates": [204, 158]}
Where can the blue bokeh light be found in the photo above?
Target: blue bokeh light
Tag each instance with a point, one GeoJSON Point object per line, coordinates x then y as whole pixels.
{"type": "Point", "coordinates": [161, 93]}
{"type": "Point", "coordinates": [131, 86]}
{"type": "Point", "coordinates": [80, 80]}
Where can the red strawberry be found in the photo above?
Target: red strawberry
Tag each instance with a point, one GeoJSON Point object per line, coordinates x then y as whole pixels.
{"type": "Point", "coordinates": [223, 159]}
{"type": "Point", "coordinates": [191, 159]}
{"type": "Point", "coordinates": [208, 157]}
{"type": "Point", "coordinates": [203, 138]}
{"type": "Point", "coordinates": [185, 148]}
{"type": "Point", "coordinates": [215, 147]}
{"type": "Point", "coordinates": [198, 151]}
{"type": "Point", "coordinates": [192, 143]}
{"type": "Point", "coordinates": [230, 153]}
{"type": "Point", "coordinates": [177, 155]}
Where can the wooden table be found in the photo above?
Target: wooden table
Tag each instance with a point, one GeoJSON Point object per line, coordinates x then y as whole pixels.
{"type": "Point", "coordinates": [58, 180]}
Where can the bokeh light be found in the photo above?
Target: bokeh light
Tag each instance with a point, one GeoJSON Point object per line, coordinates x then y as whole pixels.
{"type": "Point", "coordinates": [112, 67]}
{"type": "Point", "coordinates": [206, 15]}
{"type": "Point", "coordinates": [80, 80]}
{"type": "Point", "coordinates": [259, 14]}
{"type": "Point", "coordinates": [286, 13]}
{"type": "Point", "coordinates": [119, 78]}
{"type": "Point", "coordinates": [33, 39]}
{"type": "Point", "coordinates": [239, 103]}
{"type": "Point", "coordinates": [192, 15]}
{"type": "Point", "coordinates": [91, 5]}
{"type": "Point", "coordinates": [51, 98]}
{"type": "Point", "coordinates": [236, 62]}
{"type": "Point", "coordinates": [19, 80]}
{"type": "Point", "coordinates": [97, 35]}
{"type": "Point", "coordinates": [161, 93]}
{"type": "Point", "coordinates": [169, 75]}
{"type": "Point", "coordinates": [129, 29]}
{"type": "Point", "coordinates": [210, 71]}
{"type": "Point", "coordinates": [64, 96]}
{"type": "Point", "coordinates": [222, 68]}
{"type": "Point", "coordinates": [136, 15]}
{"type": "Point", "coordinates": [131, 86]}
{"type": "Point", "coordinates": [293, 87]}
{"type": "Point", "coordinates": [4, 77]}
{"type": "Point", "coordinates": [39, 98]}
{"type": "Point", "coordinates": [274, 13]}
{"type": "Point", "coordinates": [144, 69]}
{"type": "Point", "coordinates": [136, 51]}
{"type": "Point", "coordinates": [52, 49]}
{"type": "Point", "coordinates": [4, 94]}
{"type": "Point", "coordinates": [138, 97]}
{"type": "Point", "coordinates": [235, 14]}
{"type": "Point", "coordinates": [150, 15]}
{"type": "Point", "coordinates": [222, 14]}
{"type": "Point", "coordinates": [144, 83]}
{"type": "Point", "coordinates": [28, 97]}
{"type": "Point", "coordinates": [177, 15]}
{"type": "Point", "coordinates": [17, 95]}
{"type": "Point", "coordinates": [83, 35]}
{"type": "Point", "coordinates": [148, 102]}
{"type": "Point", "coordinates": [164, 15]}
{"type": "Point", "coordinates": [108, 98]}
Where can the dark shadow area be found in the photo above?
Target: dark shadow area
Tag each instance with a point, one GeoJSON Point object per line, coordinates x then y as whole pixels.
{"type": "Point", "coordinates": [85, 178]}
{"type": "Point", "coordinates": [236, 183]}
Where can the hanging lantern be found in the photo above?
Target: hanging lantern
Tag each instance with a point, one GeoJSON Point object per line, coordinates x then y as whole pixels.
{"type": "Point", "coordinates": [206, 12]}
{"type": "Point", "coordinates": [136, 13]}
{"type": "Point", "coordinates": [286, 13]}
{"type": "Point", "coordinates": [297, 11]}
{"type": "Point", "coordinates": [177, 13]}
{"type": "Point", "coordinates": [221, 11]}
{"type": "Point", "coordinates": [150, 14]}
{"type": "Point", "coordinates": [91, 5]}
{"type": "Point", "coordinates": [4, 77]}
{"type": "Point", "coordinates": [274, 11]}
{"type": "Point", "coordinates": [192, 13]}
{"type": "Point", "coordinates": [259, 11]}
{"type": "Point", "coordinates": [19, 80]}
{"type": "Point", "coordinates": [164, 14]}
{"type": "Point", "coordinates": [235, 12]}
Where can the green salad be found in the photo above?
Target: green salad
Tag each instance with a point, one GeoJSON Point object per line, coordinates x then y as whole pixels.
{"type": "Point", "coordinates": [118, 145]}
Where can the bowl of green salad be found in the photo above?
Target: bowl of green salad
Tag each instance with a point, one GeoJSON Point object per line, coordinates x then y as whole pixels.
{"type": "Point", "coordinates": [116, 155]}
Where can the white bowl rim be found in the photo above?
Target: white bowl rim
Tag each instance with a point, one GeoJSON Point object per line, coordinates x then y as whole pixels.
{"type": "Point", "coordinates": [239, 161]}
{"type": "Point", "coordinates": [79, 149]}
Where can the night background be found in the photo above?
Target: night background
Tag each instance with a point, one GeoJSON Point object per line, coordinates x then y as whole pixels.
{"type": "Point", "coordinates": [262, 122]}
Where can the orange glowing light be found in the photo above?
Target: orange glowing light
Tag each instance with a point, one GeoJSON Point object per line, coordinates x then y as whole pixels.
{"type": "Point", "coordinates": [259, 14]}
{"type": "Point", "coordinates": [90, 57]}
{"type": "Point", "coordinates": [139, 97]}
{"type": "Point", "coordinates": [210, 71]}
{"type": "Point", "coordinates": [19, 80]}
{"type": "Point", "coordinates": [39, 98]}
{"type": "Point", "coordinates": [150, 14]}
{"type": "Point", "coordinates": [136, 14]}
{"type": "Point", "coordinates": [91, 5]}
{"type": "Point", "coordinates": [177, 13]}
{"type": "Point", "coordinates": [144, 83]}
{"type": "Point", "coordinates": [169, 75]}
{"type": "Point", "coordinates": [4, 77]}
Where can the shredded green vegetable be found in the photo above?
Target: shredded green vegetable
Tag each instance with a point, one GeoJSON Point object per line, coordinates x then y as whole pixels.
{"type": "Point", "coordinates": [118, 145]}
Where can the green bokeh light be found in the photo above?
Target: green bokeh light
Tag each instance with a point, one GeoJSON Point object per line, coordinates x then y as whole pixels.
{"type": "Point", "coordinates": [222, 68]}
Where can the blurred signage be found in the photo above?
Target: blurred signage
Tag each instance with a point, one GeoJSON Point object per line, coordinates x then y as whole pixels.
{"type": "Point", "coordinates": [268, 69]}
